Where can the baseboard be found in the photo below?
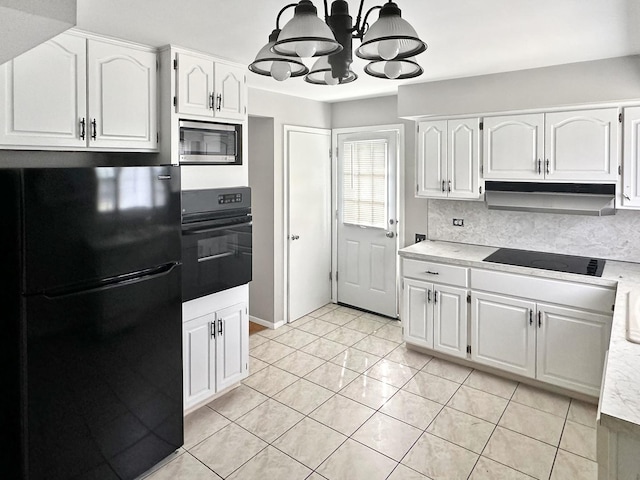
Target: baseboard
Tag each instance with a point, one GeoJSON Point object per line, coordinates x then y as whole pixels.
{"type": "Point", "coordinates": [260, 321]}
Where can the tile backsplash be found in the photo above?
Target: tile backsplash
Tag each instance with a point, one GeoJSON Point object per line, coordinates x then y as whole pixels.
{"type": "Point", "coordinates": [615, 237]}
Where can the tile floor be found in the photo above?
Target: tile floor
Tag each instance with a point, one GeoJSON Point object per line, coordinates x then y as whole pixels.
{"type": "Point", "coordinates": [336, 395]}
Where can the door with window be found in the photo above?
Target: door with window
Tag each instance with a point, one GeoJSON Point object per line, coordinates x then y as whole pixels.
{"type": "Point", "coordinates": [367, 240]}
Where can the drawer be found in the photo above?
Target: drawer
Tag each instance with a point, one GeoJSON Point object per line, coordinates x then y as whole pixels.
{"type": "Point", "coordinates": [560, 292]}
{"type": "Point", "coordinates": [435, 272]}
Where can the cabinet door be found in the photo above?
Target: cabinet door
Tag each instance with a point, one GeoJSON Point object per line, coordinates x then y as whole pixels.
{"type": "Point", "coordinates": [122, 96]}
{"type": "Point", "coordinates": [232, 346]}
{"type": "Point", "coordinates": [230, 92]}
{"type": "Point", "coordinates": [198, 348]}
{"type": "Point", "coordinates": [582, 145]}
{"type": "Point", "coordinates": [463, 150]}
{"type": "Point", "coordinates": [450, 320]}
{"type": "Point", "coordinates": [195, 85]}
{"type": "Point", "coordinates": [43, 95]}
{"type": "Point", "coordinates": [432, 159]}
{"type": "Point", "coordinates": [503, 334]}
{"type": "Point", "coordinates": [417, 319]}
{"type": "Point", "coordinates": [513, 147]}
{"type": "Point", "coordinates": [631, 158]}
{"type": "Point", "coordinates": [571, 347]}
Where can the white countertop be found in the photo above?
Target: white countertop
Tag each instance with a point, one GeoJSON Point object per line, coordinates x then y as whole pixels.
{"type": "Point", "coordinates": [620, 399]}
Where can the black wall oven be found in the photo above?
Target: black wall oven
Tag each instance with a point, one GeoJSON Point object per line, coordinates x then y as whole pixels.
{"type": "Point", "coordinates": [216, 240]}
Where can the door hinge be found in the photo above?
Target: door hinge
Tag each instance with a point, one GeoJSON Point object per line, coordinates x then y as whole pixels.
{"type": "Point", "coordinates": [330, 153]}
{"type": "Point", "coordinates": [481, 125]}
{"type": "Point", "coordinates": [468, 298]}
{"type": "Point", "coordinates": [619, 169]}
{"type": "Point", "coordinates": [336, 276]}
{"type": "Point", "coordinates": [175, 63]}
{"type": "Point", "coordinates": [330, 276]}
{"type": "Point", "coordinates": [469, 349]}
{"type": "Point", "coordinates": [175, 101]}
{"type": "Point", "coordinates": [480, 190]}
{"type": "Point", "coordinates": [620, 117]}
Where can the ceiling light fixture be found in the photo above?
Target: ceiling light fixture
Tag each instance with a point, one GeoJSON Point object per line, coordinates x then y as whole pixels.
{"type": "Point", "coordinates": [389, 44]}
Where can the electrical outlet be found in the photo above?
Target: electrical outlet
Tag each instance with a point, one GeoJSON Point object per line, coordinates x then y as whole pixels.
{"type": "Point", "coordinates": [420, 237]}
{"type": "Point", "coordinates": [458, 222]}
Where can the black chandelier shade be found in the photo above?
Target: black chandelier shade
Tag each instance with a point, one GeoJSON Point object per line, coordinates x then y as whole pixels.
{"type": "Point", "coordinates": [390, 44]}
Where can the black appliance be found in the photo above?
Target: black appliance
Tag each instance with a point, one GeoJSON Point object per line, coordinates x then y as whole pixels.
{"type": "Point", "coordinates": [548, 261]}
{"type": "Point", "coordinates": [216, 240]}
{"type": "Point", "coordinates": [91, 346]}
{"type": "Point", "coordinates": [210, 143]}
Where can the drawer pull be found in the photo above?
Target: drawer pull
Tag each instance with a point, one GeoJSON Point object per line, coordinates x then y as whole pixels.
{"type": "Point", "coordinates": [431, 273]}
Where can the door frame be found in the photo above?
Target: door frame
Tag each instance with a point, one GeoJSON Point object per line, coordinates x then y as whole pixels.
{"type": "Point", "coordinates": [285, 221]}
{"type": "Point", "coordinates": [399, 128]}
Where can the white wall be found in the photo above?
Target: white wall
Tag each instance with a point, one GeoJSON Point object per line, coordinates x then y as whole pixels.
{"type": "Point", "coordinates": [284, 110]}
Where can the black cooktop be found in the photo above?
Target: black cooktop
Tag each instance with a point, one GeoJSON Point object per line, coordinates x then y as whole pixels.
{"type": "Point", "coordinates": [548, 261]}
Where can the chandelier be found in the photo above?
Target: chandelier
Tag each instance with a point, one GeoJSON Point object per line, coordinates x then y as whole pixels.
{"type": "Point", "coordinates": [390, 44]}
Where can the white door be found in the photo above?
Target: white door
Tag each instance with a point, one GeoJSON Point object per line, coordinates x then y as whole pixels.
{"type": "Point", "coordinates": [309, 219]}
{"type": "Point", "coordinates": [450, 320]}
{"type": "Point", "coordinates": [503, 333]}
{"type": "Point", "coordinates": [230, 92]}
{"type": "Point", "coordinates": [367, 240]}
{"type": "Point", "coordinates": [582, 145]}
{"type": "Point", "coordinates": [631, 164]}
{"type": "Point", "coordinates": [571, 347]}
{"type": "Point", "coordinates": [463, 152]}
{"type": "Point", "coordinates": [432, 159]}
{"type": "Point", "coordinates": [232, 346]}
{"type": "Point", "coordinates": [198, 348]}
{"type": "Point", "coordinates": [195, 85]}
{"type": "Point", "coordinates": [514, 147]}
{"type": "Point", "coordinates": [43, 95]}
{"type": "Point", "coordinates": [122, 85]}
{"type": "Point", "coordinates": [417, 318]}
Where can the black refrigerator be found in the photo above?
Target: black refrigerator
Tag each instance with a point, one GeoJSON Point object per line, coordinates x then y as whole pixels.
{"type": "Point", "coordinates": [90, 345]}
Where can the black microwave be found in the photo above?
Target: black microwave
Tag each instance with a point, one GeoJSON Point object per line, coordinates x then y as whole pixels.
{"type": "Point", "coordinates": [208, 143]}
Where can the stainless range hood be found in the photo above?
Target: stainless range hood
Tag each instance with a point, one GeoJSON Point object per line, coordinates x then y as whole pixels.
{"type": "Point", "coordinates": [567, 198]}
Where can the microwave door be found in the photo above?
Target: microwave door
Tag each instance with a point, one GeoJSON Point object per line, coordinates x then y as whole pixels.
{"type": "Point", "coordinates": [207, 143]}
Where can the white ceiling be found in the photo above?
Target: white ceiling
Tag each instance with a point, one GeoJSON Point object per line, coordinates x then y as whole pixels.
{"type": "Point", "coordinates": [465, 37]}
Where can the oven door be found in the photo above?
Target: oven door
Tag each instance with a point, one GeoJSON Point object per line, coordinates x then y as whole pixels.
{"type": "Point", "coordinates": [215, 259]}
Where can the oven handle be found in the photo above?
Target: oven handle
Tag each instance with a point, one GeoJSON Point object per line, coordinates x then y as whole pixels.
{"type": "Point", "coordinates": [196, 231]}
{"type": "Point", "coordinates": [213, 257]}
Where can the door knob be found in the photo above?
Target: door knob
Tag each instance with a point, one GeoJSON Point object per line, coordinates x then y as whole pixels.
{"type": "Point", "coordinates": [390, 234]}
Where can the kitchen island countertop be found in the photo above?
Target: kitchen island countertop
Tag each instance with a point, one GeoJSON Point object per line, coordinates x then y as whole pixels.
{"type": "Point", "coordinates": [619, 407]}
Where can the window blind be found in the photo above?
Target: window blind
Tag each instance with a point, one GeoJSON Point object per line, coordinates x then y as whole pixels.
{"type": "Point", "coordinates": [364, 189]}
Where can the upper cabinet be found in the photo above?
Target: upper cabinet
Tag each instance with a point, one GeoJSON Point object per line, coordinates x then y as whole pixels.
{"type": "Point", "coordinates": [448, 163]}
{"type": "Point", "coordinates": [77, 92]}
{"type": "Point", "coordinates": [630, 190]}
{"type": "Point", "coordinates": [578, 146]}
{"type": "Point", "coordinates": [207, 88]}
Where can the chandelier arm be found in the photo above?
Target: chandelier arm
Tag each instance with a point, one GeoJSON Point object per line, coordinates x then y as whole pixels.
{"type": "Point", "coordinates": [360, 30]}
{"type": "Point", "coordinates": [281, 12]}
{"type": "Point", "coordinates": [326, 11]}
{"type": "Point", "coordinates": [356, 27]}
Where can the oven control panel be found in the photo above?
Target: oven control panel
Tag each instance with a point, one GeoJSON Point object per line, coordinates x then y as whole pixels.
{"type": "Point", "coordinates": [230, 198]}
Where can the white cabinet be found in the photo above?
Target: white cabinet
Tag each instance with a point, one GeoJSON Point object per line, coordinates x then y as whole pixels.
{"type": "Point", "coordinates": [577, 146]}
{"type": "Point", "coordinates": [79, 92]}
{"type": "Point", "coordinates": [513, 147]}
{"type": "Point", "coordinates": [207, 88]}
{"type": "Point", "coordinates": [631, 158]}
{"type": "Point", "coordinates": [502, 333]}
{"type": "Point", "coordinates": [215, 350]}
{"type": "Point", "coordinates": [448, 159]}
{"type": "Point", "coordinates": [43, 95]}
{"type": "Point", "coordinates": [122, 93]}
{"type": "Point", "coordinates": [417, 317]}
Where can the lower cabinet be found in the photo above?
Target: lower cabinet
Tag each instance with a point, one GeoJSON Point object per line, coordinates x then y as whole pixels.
{"type": "Point", "coordinates": [436, 317]}
{"type": "Point", "coordinates": [557, 345]}
{"type": "Point", "coordinates": [215, 349]}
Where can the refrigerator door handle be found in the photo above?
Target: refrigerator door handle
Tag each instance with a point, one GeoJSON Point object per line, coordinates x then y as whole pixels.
{"type": "Point", "coordinates": [113, 282]}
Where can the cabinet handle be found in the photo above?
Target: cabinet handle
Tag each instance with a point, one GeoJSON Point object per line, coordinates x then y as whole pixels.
{"type": "Point", "coordinates": [530, 317]}
{"type": "Point", "coordinates": [435, 296]}
{"type": "Point", "coordinates": [428, 296]}
{"type": "Point", "coordinates": [82, 129]}
{"type": "Point", "coordinates": [431, 273]}
{"type": "Point", "coordinates": [94, 129]}
{"type": "Point", "coordinates": [449, 188]}
{"type": "Point", "coordinates": [443, 185]}
{"type": "Point", "coordinates": [220, 326]}
{"type": "Point", "coordinates": [211, 97]}
{"type": "Point", "coordinates": [219, 102]}
{"type": "Point", "coordinates": [546, 163]}
{"type": "Point", "coordinates": [213, 329]}
{"type": "Point", "coordinates": [539, 166]}
{"type": "Point", "coordinates": [539, 318]}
